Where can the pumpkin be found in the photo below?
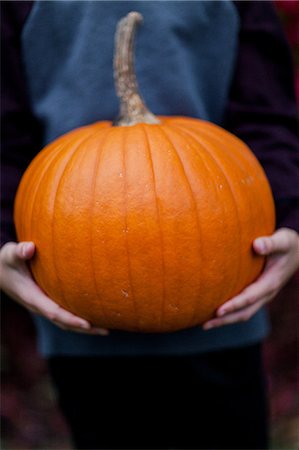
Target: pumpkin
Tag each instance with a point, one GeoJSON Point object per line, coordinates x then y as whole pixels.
{"type": "Point", "coordinates": [145, 224]}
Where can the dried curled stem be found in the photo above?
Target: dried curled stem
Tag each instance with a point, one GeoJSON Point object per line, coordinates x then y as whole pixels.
{"type": "Point", "coordinates": [132, 107]}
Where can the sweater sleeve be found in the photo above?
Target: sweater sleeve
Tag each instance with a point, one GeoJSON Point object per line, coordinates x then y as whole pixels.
{"type": "Point", "coordinates": [20, 131]}
{"type": "Point", "coordinates": [262, 108]}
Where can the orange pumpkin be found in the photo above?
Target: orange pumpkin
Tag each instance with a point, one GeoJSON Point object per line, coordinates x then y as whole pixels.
{"type": "Point", "coordinates": [146, 224]}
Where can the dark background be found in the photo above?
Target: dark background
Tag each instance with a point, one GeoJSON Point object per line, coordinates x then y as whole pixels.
{"type": "Point", "coordinates": [29, 414]}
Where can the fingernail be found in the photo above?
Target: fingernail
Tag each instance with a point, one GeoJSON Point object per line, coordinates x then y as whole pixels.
{"type": "Point", "coordinates": [261, 246]}
{"type": "Point", "coordinates": [101, 331]}
{"type": "Point", "coordinates": [25, 248]}
{"type": "Point", "coordinates": [208, 326]}
{"type": "Point", "coordinates": [84, 325]}
{"type": "Point", "coordinates": [222, 312]}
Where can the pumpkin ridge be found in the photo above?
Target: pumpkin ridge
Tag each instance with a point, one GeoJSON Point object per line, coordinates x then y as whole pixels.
{"type": "Point", "coordinates": [159, 223]}
{"type": "Point", "coordinates": [251, 205]}
{"type": "Point", "coordinates": [37, 174]}
{"type": "Point", "coordinates": [40, 179]}
{"type": "Point", "coordinates": [223, 170]}
{"type": "Point", "coordinates": [249, 161]}
{"type": "Point", "coordinates": [70, 159]}
{"type": "Point", "coordinates": [193, 201]}
{"type": "Point", "coordinates": [208, 128]}
{"type": "Point", "coordinates": [93, 187]}
{"type": "Point", "coordinates": [232, 156]}
{"type": "Point", "coordinates": [125, 194]}
{"type": "Point", "coordinates": [194, 145]}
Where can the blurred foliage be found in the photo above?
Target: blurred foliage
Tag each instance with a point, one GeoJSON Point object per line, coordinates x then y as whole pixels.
{"type": "Point", "coordinates": [281, 361]}
{"type": "Point", "coordinates": [29, 414]}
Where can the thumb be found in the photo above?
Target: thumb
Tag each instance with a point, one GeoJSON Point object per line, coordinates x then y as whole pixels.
{"type": "Point", "coordinates": [279, 242]}
{"type": "Point", "coordinates": [25, 250]}
{"type": "Point", "coordinates": [13, 252]}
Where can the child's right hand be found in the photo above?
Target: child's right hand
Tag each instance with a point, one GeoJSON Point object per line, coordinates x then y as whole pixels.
{"type": "Point", "coordinates": [17, 283]}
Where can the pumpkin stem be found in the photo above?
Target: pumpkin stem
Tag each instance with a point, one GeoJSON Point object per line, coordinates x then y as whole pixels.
{"type": "Point", "coordinates": [132, 107]}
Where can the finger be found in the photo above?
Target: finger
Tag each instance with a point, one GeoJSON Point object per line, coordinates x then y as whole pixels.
{"type": "Point", "coordinates": [31, 295]}
{"type": "Point", "coordinates": [12, 252]}
{"type": "Point", "coordinates": [101, 331]}
{"type": "Point", "coordinates": [91, 330]}
{"type": "Point", "coordinates": [38, 303]}
{"type": "Point", "coordinates": [25, 250]}
{"type": "Point", "coordinates": [235, 317]}
{"type": "Point", "coordinates": [265, 286]}
{"type": "Point", "coordinates": [58, 315]}
{"type": "Point", "coordinates": [69, 321]}
{"type": "Point", "coordinates": [280, 242]}
{"type": "Point", "coordinates": [48, 308]}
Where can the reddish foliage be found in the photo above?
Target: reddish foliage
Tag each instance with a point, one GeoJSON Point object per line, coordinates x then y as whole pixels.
{"type": "Point", "coordinates": [29, 412]}
{"type": "Point", "coordinates": [288, 11]}
{"type": "Point", "coordinates": [281, 361]}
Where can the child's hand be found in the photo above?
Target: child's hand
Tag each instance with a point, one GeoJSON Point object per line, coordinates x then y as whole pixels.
{"type": "Point", "coordinates": [282, 250]}
{"type": "Point", "coordinates": [17, 282]}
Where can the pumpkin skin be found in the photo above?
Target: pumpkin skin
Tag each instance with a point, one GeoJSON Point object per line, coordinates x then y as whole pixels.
{"type": "Point", "coordinates": [147, 227]}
